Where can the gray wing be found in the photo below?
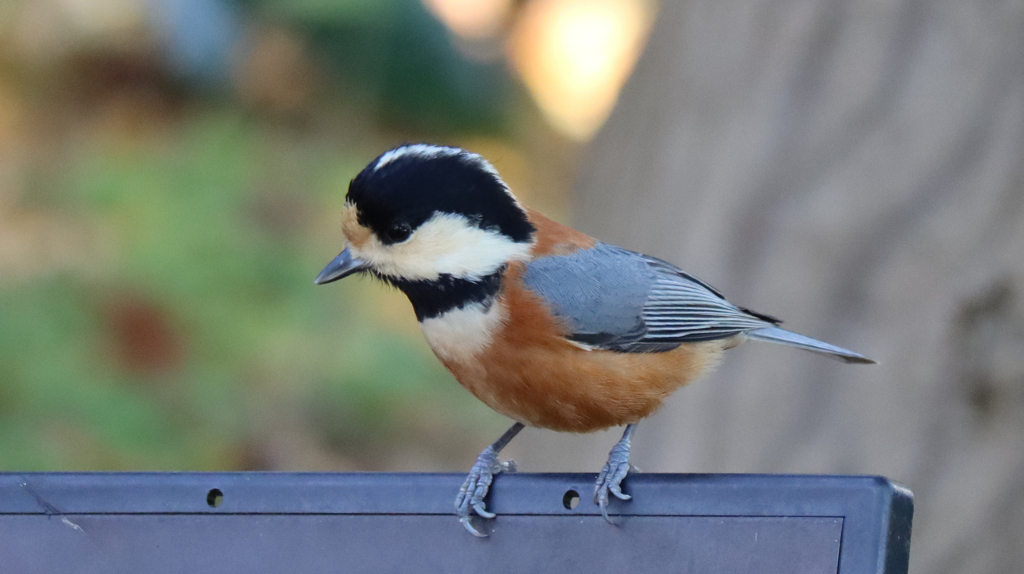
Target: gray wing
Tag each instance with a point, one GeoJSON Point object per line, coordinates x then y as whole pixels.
{"type": "Point", "coordinates": [616, 299]}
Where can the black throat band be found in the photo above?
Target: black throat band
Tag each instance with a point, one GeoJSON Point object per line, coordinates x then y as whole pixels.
{"type": "Point", "coordinates": [436, 297]}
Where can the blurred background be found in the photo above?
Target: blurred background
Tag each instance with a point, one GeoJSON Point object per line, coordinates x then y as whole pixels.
{"type": "Point", "coordinates": [171, 179]}
{"type": "Point", "coordinates": [172, 173]}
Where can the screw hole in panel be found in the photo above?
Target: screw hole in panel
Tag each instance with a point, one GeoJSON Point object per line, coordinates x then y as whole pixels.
{"type": "Point", "coordinates": [214, 498]}
{"type": "Point", "coordinates": [571, 499]}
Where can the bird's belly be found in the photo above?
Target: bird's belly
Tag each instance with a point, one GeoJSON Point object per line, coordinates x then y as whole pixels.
{"type": "Point", "coordinates": [566, 388]}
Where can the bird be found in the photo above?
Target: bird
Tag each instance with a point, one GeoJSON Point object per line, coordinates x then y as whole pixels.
{"type": "Point", "coordinates": [543, 323]}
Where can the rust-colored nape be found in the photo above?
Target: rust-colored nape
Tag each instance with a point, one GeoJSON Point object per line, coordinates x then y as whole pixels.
{"type": "Point", "coordinates": [553, 238]}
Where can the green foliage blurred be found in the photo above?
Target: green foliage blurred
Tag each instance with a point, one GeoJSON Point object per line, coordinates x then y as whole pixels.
{"type": "Point", "coordinates": [401, 61]}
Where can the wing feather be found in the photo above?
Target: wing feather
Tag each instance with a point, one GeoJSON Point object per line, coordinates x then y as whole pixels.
{"type": "Point", "coordinates": [620, 300]}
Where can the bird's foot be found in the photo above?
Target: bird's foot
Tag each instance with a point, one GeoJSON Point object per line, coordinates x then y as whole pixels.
{"type": "Point", "coordinates": [613, 473]}
{"type": "Point", "coordinates": [474, 489]}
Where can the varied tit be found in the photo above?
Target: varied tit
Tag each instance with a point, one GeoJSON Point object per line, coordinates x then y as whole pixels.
{"type": "Point", "coordinates": [544, 324]}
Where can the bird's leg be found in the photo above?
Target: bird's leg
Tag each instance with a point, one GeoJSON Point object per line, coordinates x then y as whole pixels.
{"type": "Point", "coordinates": [614, 471]}
{"type": "Point", "coordinates": [474, 489]}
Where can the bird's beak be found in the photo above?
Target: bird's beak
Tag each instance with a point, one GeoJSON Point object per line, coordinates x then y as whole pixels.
{"type": "Point", "coordinates": [342, 266]}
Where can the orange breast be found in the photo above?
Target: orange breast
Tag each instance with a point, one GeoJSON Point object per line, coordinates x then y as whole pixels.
{"type": "Point", "coordinates": [532, 374]}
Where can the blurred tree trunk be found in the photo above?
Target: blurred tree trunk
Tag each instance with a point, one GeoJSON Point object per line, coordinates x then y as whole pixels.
{"type": "Point", "coordinates": [857, 168]}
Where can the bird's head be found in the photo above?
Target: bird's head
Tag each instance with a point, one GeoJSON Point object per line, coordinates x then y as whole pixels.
{"type": "Point", "coordinates": [424, 213]}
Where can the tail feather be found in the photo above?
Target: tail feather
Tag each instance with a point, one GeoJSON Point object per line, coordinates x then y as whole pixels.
{"type": "Point", "coordinates": [784, 337]}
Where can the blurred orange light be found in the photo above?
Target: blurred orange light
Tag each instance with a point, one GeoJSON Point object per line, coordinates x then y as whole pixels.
{"type": "Point", "coordinates": [575, 55]}
{"type": "Point", "coordinates": [471, 18]}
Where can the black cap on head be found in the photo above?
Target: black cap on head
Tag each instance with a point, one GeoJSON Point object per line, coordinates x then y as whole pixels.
{"type": "Point", "coordinates": [410, 183]}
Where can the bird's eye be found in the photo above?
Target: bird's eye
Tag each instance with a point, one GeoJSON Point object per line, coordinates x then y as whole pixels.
{"type": "Point", "coordinates": [398, 232]}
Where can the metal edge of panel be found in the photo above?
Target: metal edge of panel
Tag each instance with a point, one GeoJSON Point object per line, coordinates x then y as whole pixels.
{"type": "Point", "coordinates": [897, 532]}
{"type": "Point", "coordinates": [394, 493]}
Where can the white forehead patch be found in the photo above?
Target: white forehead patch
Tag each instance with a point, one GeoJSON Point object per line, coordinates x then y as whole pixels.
{"type": "Point", "coordinates": [419, 150]}
{"type": "Point", "coordinates": [445, 244]}
{"type": "Point", "coordinates": [460, 334]}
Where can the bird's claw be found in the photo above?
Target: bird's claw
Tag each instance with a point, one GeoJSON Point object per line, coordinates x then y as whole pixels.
{"type": "Point", "coordinates": [610, 481]}
{"type": "Point", "coordinates": [469, 526]}
{"type": "Point", "coordinates": [611, 477]}
{"type": "Point", "coordinates": [474, 489]}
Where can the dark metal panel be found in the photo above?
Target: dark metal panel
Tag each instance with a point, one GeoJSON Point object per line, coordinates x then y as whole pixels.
{"type": "Point", "coordinates": [157, 544]}
{"type": "Point", "coordinates": [380, 522]}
